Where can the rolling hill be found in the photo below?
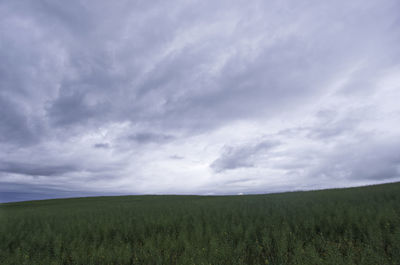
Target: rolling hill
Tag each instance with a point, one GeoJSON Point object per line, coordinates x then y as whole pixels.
{"type": "Point", "coordinates": [337, 226]}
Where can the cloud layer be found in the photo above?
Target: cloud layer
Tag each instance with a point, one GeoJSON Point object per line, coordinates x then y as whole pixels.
{"type": "Point", "coordinates": [196, 96]}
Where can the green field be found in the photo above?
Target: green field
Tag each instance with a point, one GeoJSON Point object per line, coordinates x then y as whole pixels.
{"type": "Point", "coordinates": [341, 226]}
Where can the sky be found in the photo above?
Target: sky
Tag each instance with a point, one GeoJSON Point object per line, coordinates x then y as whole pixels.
{"type": "Point", "coordinates": [197, 97]}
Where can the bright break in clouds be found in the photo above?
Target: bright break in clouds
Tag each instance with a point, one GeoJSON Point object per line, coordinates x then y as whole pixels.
{"type": "Point", "coordinates": [197, 97]}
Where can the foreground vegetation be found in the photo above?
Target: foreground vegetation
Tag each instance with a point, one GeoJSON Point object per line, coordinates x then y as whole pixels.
{"type": "Point", "coordinates": [344, 226]}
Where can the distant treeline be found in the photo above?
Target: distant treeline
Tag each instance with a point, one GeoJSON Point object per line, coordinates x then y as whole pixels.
{"type": "Point", "coordinates": [342, 226]}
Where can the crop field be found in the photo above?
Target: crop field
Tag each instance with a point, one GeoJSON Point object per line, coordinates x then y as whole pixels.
{"type": "Point", "coordinates": [340, 226]}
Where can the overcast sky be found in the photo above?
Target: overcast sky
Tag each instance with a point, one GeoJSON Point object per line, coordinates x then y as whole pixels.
{"type": "Point", "coordinates": [197, 97]}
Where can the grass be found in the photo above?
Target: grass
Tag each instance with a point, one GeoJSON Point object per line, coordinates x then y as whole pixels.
{"type": "Point", "coordinates": [340, 226]}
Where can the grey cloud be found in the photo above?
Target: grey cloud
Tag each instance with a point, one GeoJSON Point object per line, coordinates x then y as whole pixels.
{"type": "Point", "coordinates": [331, 124]}
{"type": "Point", "coordinates": [176, 157]}
{"type": "Point", "coordinates": [147, 137]}
{"type": "Point", "coordinates": [258, 85]}
{"type": "Point", "coordinates": [14, 192]}
{"type": "Point", "coordinates": [328, 131]}
{"type": "Point", "coordinates": [73, 109]}
{"type": "Point", "coordinates": [15, 126]}
{"type": "Point", "coordinates": [348, 150]}
{"type": "Point", "coordinates": [102, 145]}
{"type": "Point", "coordinates": [374, 160]}
{"type": "Point", "coordinates": [261, 85]}
{"type": "Point", "coordinates": [241, 156]}
{"type": "Point", "coordinates": [89, 73]}
{"type": "Point", "coordinates": [36, 170]}
{"type": "Point", "coordinates": [327, 124]}
{"type": "Point", "coordinates": [52, 165]}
